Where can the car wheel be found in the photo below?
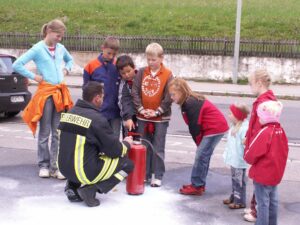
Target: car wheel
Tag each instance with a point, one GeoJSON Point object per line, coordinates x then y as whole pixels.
{"type": "Point", "coordinates": [11, 114]}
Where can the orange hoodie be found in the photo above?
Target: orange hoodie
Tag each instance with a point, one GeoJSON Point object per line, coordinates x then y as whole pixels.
{"type": "Point", "coordinates": [34, 110]}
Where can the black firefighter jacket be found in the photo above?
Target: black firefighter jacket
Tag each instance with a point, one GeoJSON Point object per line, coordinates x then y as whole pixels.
{"type": "Point", "coordinates": [88, 149]}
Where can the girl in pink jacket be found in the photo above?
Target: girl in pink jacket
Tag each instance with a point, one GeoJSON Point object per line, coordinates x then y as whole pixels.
{"type": "Point", "coordinates": [267, 153]}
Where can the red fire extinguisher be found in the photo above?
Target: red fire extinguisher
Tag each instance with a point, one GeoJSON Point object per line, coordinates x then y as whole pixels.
{"type": "Point", "coordinates": [135, 180]}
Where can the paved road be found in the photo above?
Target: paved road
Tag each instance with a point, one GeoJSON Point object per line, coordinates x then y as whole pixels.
{"type": "Point", "coordinates": [290, 119]}
{"type": "Point", "coordinates": [27, 199]}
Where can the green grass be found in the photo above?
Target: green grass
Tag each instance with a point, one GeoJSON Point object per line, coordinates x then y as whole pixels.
{"type": "Point", "coordinates": [261, 19]}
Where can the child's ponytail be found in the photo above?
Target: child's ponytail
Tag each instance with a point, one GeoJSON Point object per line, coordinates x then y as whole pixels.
{"type": "Point", "coordinates": [44, 30]}
{"type": "Point", "coordinates": [55, 25]}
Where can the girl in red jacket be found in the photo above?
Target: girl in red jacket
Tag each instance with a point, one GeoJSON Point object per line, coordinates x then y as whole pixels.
{"type": "Point", "coordinates": [207, 126]}
{"type": "Point", "coordinates": [267, 153]}
{"type": "Point", "coordinates": [260, 82]}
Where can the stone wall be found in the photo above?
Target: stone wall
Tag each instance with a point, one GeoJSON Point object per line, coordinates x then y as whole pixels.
{"type": "Point", "coordinates": [201, 67]}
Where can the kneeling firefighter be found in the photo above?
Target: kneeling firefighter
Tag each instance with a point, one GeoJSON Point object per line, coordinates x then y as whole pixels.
{"type": "Point", "coordinates": [90, 156]}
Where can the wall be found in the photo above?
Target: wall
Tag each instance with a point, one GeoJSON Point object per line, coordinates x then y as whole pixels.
{"type": "Point", "coordinates": [202, 67]}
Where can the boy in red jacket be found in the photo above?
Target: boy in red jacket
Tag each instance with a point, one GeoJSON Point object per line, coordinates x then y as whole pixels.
{"type": "Point", "coordinates": [267, 153]}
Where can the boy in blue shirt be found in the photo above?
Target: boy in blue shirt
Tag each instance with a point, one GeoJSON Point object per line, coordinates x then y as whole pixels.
{"type": "Point", "coordinates": [103, 69]}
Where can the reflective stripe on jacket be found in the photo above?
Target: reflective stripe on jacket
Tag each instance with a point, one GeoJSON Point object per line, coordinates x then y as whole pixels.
{"type": "Point", "coordinates": [88, 150]}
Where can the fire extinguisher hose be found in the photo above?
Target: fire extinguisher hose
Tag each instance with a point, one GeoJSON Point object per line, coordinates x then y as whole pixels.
{"type": "Point", "coordinates": [146, 142]}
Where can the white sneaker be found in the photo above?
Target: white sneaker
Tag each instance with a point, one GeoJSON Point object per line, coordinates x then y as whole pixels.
{"type": "Point", "coordinates": [247, 211]}
{"type": "Point", "coordinates": [44, 173]}
{"type": "Point", "coordinates": [155, 183]}
{"type": "Point", "coordinates": [57, 174]}
{"type": "Point", "coordinates": [248, 217]}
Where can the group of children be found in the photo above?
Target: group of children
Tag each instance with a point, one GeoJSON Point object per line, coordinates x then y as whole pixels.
{"type": "Point", "coordinates": [145, 98]}
{"type": "Point", "coordinates": [141, 101]}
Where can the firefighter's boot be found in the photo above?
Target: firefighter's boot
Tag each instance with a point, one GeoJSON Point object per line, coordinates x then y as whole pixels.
{"type": "Point", "coordinates": [71, 191]}
{"type": "Point", "coordinates": [88, 195]}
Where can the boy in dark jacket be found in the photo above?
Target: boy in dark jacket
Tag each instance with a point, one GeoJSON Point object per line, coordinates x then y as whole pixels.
{"type": "Point", "coordinates": [103, 69]}
{"type": "Point", "coordinates": [126, 68]}
{"type": "Point", "coordinates": [89, 153]}
{"type": "Point", "coordinates": [267, 153]}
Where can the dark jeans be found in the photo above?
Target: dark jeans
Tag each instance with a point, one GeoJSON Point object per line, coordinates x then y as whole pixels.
{"type": "Point", "coordinates": [155, 156]}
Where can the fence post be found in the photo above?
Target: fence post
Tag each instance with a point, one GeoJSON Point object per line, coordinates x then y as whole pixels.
{"type": "Point", "coordinates": [237, 42]}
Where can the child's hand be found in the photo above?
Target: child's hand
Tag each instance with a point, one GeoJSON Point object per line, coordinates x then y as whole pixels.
{"type": "Point", "coordinates": [129, 124]}
{"type": "Point", "coordinates": [38, 78]}
{"type": "Point", "coordinates": [244, 141]}
{"type": "Point", "coordinates": [150, 113]}
{"type": "Point", "coordinates": [144, 112]}
{"type": "Point", "coordinates": [65, 72]}
{"type": "Point", "coordinates": [129, 139]}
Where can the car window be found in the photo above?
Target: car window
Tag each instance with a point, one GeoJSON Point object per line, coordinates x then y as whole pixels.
{"type": "Point", "coordinates": [6, 65]}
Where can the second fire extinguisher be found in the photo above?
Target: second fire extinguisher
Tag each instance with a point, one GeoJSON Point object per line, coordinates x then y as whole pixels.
{"type": "Point", "coordinates": [135, 180]}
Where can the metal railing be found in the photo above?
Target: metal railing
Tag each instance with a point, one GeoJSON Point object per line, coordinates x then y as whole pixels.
{"type": "Point", "coordinates": [171, 45]}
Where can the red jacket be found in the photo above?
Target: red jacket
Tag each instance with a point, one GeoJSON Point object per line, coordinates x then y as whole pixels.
{"type": "Point", "coordinates": [267, 153]}
{"type": "Point", "coordinates": [203, 118]}
{"type": "Point", "coordinates": [254, 124]}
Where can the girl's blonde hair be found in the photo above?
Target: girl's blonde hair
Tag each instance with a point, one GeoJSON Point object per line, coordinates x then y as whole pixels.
{"type": "Point", "coordinates": [154, 49]}
{"type": "Point", "coordinates": [261, 75]}
{"type": "Point", "coordinates": [245, 109]}
{"type": "Point", "coordinates": [181, 86]}
{"type": "Point", "coordinates": [55, 25]}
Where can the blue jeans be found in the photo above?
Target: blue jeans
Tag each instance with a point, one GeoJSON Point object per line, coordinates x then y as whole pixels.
{"type": "Point", "coordinates": [202, 159]}
{"type": "Point", "coordinates": [156, 156]}
{"type": "Point", "coordinates": [48, 124]}
{"type": "Point", "coordinates": [267, 204]}
{"type": "Point", "coordinates": [238, 195]}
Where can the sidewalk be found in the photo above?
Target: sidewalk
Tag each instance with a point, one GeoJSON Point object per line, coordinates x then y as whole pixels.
{"type": "Point", "coordinates": [284, 91]}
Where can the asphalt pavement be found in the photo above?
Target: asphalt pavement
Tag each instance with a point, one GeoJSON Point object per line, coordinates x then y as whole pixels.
{"type": "Point", "coordinates": [28, 199]}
